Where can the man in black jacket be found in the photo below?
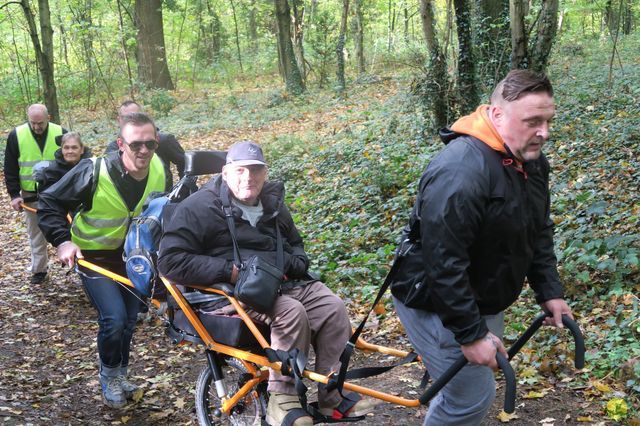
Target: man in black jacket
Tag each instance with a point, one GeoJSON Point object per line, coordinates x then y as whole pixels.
{"type": "Point", "coordinates": [197, 248]}
{"type": "Point", "coordinates": [169, 149]}
{"type": "Point", "coordinates": [480, 226]}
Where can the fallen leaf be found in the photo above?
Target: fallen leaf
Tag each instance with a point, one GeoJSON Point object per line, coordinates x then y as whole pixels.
{"type": "Point", "coordinates": [179, 403]}
{"type": "Point", "coordinates": [137, 395]}
{"type": "Point", "coordinates": [379, 309]}
{"type": "Point", "coordinates": [602, 387]}
{"type": "Point", "coordinates": [125, 419]}
{"type": "Point", "coordinates": [505, 417]}
{"type": "Point", "coordinates": [534, 395]}
{"type": "Point", "coordinates": [584, 419]}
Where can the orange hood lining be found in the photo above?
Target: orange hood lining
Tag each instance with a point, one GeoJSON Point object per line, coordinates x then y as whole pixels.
{"type": "Point", "coordinates": [479, 125]}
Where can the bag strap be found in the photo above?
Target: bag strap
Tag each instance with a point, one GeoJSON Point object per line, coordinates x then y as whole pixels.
{"type": "Point", "coordinates": [228, 213]}
{"type": "Point", "coordinates": [337, 382]}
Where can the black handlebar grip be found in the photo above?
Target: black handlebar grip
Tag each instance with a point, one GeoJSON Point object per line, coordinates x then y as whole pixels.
{"type": "Point", "coordinates": [510, 378]}
{"type": "Point", "coordinates": [537, 323]}
{"type": "Point", "coordinates": [578, 340]}
{"type": "Point", "coordinates": [503, 363]}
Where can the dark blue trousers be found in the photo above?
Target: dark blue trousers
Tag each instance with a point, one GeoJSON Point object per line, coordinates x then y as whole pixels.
{"type": "Point", "coordinates": [117, 314]}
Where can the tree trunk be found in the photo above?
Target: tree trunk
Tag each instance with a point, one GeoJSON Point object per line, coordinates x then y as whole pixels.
{"type": "Point", "coordinates": [235, 23]}
{"type": "Point", "coordinates": [44, 53]}
{"type": "Point", "coordinates": [342, 38]}
{"type": "Point", "coordinates": [467, 90]}
{"type": "Point", "coordinates": [359, 36]}
{"type": "Point", "coordinates": [297, 36]}
{"type": "Point", "coordinates": [82, 17]}
{"type": "Point", "coordinates": [518, 34]}
{"type": "Point", "coordinates": [406, 24]}
{"type": "Point", "coordinates": [253, 26]}
{"type": "Point", "coordinates": [492, 40]}
{"type": "Point", "coordinates": [24, 69]}
{"type": "Point", "coordinates": [153, 70]}
{"type": "Point", "coordinates": [64, 45]}
{"type": "Point", "coordinates": [212, 34]}
{"type": "Point", "coordinates": [288, 64]}
{"type": "Point", "coordinates": [125, 54]}
{"type": "Point", "coordinates": [433, 87]}
{"type": "Point", "coordinates": [547, 27]}
{"type": "Point", "coordinates": [610, 16]}
{"type": "Point", "coordinates": [627, 23]}
{"type": "Point", "coordinates": [391, 23]}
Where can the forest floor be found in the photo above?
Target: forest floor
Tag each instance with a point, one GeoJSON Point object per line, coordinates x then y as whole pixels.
{"type": "Point", "coordinates": [48, 361]}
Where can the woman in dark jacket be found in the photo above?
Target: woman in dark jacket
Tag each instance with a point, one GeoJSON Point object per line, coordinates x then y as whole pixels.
{"type": "Point", "coordinates": [71, 151]}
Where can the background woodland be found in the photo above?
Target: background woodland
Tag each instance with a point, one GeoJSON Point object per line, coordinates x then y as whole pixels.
{"type": "Point", "coordinates": [346, 97]}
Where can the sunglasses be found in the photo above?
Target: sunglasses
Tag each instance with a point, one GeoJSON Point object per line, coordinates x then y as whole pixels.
{"type": "Point", "coordinates": [136, 146]}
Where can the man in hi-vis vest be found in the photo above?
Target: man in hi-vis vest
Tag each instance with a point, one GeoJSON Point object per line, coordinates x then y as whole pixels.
{"type": "Point", "coordinates": [27, 145]}
{"type": "Point", "coordinates": [107, 193]}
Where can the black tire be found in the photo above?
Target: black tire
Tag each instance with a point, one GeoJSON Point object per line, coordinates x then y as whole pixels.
{"type": "Point", "coordinates": [248, 412]}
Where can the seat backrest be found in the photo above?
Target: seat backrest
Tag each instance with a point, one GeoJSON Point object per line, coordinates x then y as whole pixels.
{"type": "Point", "coordinates": [204, 162]}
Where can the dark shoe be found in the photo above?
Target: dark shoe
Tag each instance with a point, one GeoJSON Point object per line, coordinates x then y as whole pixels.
{"type": "Point", "coordinates": [38, 277]}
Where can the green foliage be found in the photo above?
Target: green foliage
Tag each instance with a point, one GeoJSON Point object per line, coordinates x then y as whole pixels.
{"type": "Point", "coordinates": [322, 39]}
{"type": "Point", "coordinates": [160, 101]}
{"type": "Point", "coordinates": [352, 194]}
{"type": "Point", "coordinates": [595, 162]}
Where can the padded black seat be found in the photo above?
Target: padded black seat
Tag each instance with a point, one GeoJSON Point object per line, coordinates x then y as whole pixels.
{"type": "Point", "coordinates": [204, 162]}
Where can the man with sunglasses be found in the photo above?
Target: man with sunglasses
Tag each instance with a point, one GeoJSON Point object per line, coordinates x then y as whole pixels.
{"type": "Point", "coordinates": [107, 192]}
{"type": "Point", "coordinates": [169, 149]}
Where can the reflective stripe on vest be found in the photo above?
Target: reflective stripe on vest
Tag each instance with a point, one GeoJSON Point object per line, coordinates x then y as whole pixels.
{"type": "Point", "coordinates": [105, 226]}
{"type": "Point", "coordinates": [30, 153]}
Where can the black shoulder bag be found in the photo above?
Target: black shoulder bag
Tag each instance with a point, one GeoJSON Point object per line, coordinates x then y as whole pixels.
{"type": "Point", "coordinates": [258, 284]}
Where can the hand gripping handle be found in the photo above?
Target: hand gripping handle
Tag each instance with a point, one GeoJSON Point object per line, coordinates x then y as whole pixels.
{"type": "Point", "coordinates": [503, 363]}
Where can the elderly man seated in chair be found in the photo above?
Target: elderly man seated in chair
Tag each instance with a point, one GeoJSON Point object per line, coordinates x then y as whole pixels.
{"type": "Point", "coordinates": [197, 248]}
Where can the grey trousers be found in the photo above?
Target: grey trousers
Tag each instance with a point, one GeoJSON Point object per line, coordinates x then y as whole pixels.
{"type": "Point", "coordinates": [466, 399]}
{"type": "Point", "coordinates": [37, 242]}
{"type": "Point", "coordinates": [304, 316]}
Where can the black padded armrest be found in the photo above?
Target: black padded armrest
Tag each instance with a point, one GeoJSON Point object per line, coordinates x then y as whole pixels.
{"type": "Point", "coordinates": [204, 162]}
{"type": "Point", "coordinates": [225, 287]}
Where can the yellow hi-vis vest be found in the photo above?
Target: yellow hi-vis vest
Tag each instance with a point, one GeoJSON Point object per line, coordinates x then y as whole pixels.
{"type": "Point", "coordinates": [105, 226]}
{"type": "Point", "coordinates": [30, 153]}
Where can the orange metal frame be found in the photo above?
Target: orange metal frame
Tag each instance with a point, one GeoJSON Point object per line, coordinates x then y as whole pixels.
{"type": "Point", "coordinates": [32, 210]}
{"type": "Point", "coordinates": [256, 364]}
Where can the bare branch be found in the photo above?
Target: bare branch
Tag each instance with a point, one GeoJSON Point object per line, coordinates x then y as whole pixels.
{"type": "Point", "coordinates": [8, 3]}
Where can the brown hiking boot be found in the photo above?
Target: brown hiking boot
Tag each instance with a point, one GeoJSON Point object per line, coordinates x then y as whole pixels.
{"type": "Point", "coordinates": [286, 407]}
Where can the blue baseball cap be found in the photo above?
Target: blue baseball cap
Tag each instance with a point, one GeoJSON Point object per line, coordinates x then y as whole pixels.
{"type": "Point", "coordinates": [245, 153]}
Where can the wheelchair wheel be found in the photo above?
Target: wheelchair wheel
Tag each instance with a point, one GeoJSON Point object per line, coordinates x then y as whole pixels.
{"type": "Point", "coordinates": [247, 412]}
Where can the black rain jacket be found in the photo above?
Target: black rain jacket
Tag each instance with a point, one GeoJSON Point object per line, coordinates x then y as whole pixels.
{"type": "Point", "coordinates": [480, 227]}
{"type": "Point", "coordinates": [196, 247]}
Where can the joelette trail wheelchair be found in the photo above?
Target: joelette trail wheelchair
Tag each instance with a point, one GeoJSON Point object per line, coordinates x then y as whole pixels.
{"type": "Point", "coordinates": [232, 387]}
